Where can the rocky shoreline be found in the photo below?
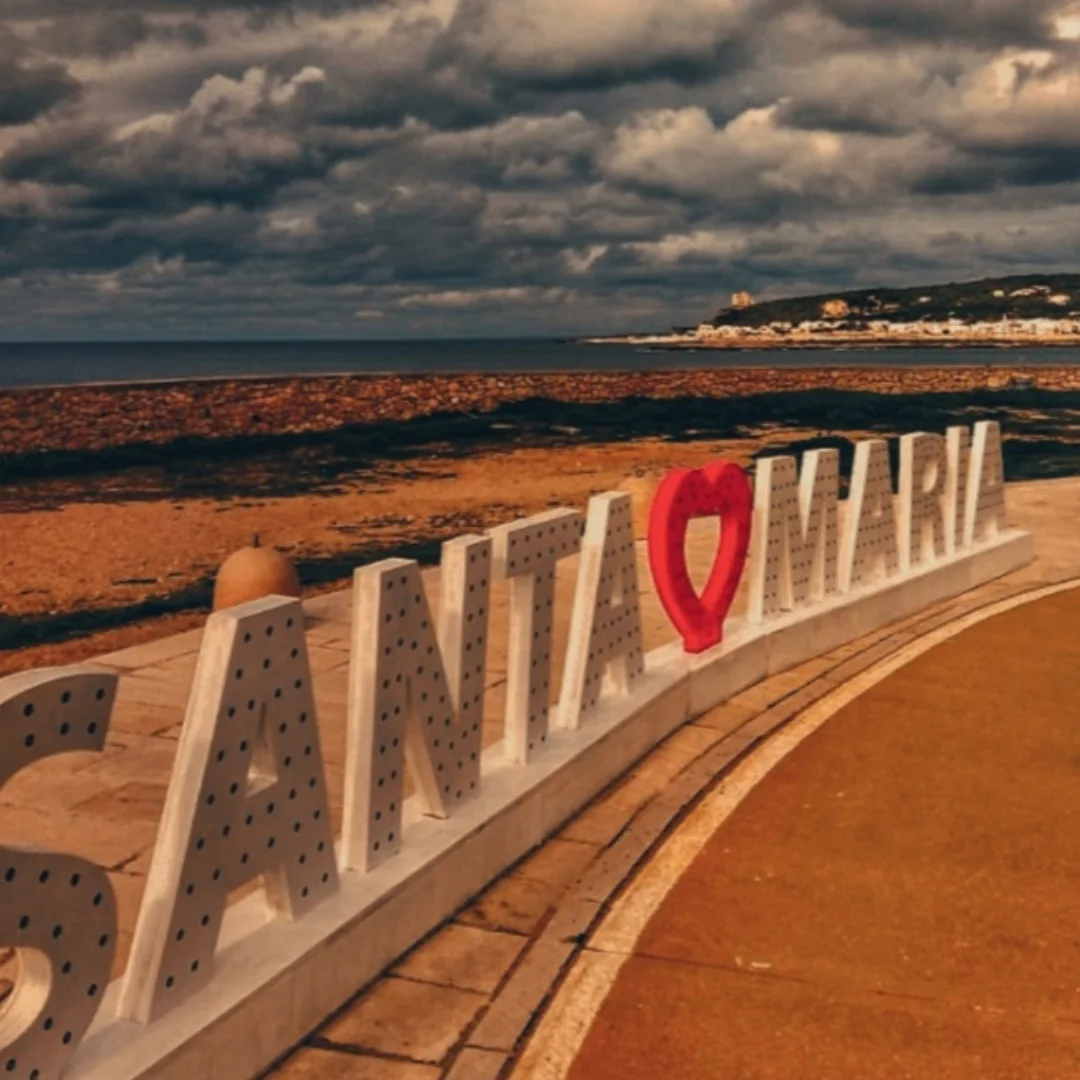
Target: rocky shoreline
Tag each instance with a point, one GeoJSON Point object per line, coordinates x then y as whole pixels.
{"type": "Point", "coordinates": [80, 419]}
{"type": "Point", "coordinates": [897, 343]}
{"type": "Point", "coordinates": [728, 339]}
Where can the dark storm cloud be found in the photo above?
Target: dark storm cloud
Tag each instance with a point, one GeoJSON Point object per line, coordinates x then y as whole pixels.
{"type": "Point", "coordinates": [103, 36]}
{"type": "Point", "coordinates": [844, 116]}
{"type": "Point", "coordinates": [988, 22]}
{"type": "Point", "coordinates": [29, 86]}
{"type": "Point", "coordinates": [522, 46]}
{"type": "Point", "coordinates": [121, 9]}
{"type": "Point", "coordinates": [106, 35]}
{"type": "Point", "coordinates": [388, 94]}
{"type": "Point", "coordinates": [961, 176]}
{"type": "Point", "coordinates": [519, 165]}
{"type": "Point", "coordinates": [236, 141]}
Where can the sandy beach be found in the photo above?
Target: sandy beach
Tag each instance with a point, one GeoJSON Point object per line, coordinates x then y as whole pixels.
{"type": "Point", "coordinates": [108, 547]}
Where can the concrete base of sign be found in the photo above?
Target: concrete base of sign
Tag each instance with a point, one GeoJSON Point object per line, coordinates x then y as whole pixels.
{"type": "Point", "coordinates": [751, 652]}
{"type": "Point", "coordinates": [276, 981]}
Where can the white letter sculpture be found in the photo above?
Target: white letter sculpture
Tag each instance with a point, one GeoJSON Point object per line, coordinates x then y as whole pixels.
{"type": "Point", "coordinates": [985, 516]}
{"type": "Point", "coordinates": [869, 543]}
{"type": "Point", "coordinates": [58, 911]}
{"type": "Point", "coordinates": [247, 798]}
{"type": "Point", "coordinates": [923, 483]}
{"type": "Point", "coordinates": [528, 553]}
{"type": "Point", "coordinates": [604, 642]}
{"type": "Point", "coordinates": [414, 695]}
{"type": "Point", "coordinates": [793, 541]}
{"type": "Point", "coordinates": [958, 453]}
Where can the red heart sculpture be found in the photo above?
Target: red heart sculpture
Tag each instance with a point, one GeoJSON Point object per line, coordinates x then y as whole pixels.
{"type": "Point", "coordinates": [721, 488]}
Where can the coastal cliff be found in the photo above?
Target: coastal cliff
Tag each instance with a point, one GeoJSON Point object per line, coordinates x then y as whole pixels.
{"type": "Point", "coordinates": [1029, 310]}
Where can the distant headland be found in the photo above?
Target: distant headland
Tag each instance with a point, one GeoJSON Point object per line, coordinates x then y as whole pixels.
{"type": "Point", "coordinates": [1012, 311]}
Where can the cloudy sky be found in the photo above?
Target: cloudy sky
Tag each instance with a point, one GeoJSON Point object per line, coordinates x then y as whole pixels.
{"type": "Point", "coordinates": [341, 168]}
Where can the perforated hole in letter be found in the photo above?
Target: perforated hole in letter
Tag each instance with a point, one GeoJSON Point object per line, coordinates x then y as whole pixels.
{"type": "Point", "coordinates": [247, 799]}
{"type": "Point", "coordinates": [57, 911]}
{"type": "Point", "coordinates": [528, 552]}
{"type": "Point", "coordinates": [604, 646]}
{"type": "Point", "coordinates": [870, 543]}
{"type": "Point", "coordinates": [415, 695]}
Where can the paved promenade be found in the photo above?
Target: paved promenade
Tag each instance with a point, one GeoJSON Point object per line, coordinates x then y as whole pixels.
{"type": "Point", "coordinates": [896, 897]}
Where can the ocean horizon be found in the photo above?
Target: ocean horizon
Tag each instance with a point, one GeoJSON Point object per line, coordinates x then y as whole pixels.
{"type": "Point", "coordinates": [48, 364]}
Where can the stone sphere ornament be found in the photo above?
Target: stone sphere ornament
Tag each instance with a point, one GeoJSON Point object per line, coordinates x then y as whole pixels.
{"type": "Point", "coordinates": [252, 573]}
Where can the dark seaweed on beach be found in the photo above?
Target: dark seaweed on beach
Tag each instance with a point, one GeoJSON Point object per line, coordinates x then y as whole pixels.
{"type": "Point", "coordinates": [1041, 429]}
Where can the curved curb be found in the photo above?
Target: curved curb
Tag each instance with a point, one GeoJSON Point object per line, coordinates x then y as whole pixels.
{"type": "Point", "coordinates": [562, 982]}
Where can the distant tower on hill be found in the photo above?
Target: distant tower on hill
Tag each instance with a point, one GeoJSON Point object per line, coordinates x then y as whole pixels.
{"type": "Point", "coordinates": [741, 300]}
{"type": "Point", "coordinates": [835, 309]}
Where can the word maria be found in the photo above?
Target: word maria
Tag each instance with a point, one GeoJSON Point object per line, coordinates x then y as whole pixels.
{"type": "Point", "coordinates": [951, 496]}
{"type": "Point", "coordinates": [248, 797]}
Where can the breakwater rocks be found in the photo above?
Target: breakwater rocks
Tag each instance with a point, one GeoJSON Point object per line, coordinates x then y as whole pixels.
{"type": "Point", "coordinates": [87, 418]}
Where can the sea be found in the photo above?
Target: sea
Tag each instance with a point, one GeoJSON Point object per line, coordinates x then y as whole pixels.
{"type": "Point", "coordinates": [67, 364]}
